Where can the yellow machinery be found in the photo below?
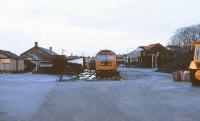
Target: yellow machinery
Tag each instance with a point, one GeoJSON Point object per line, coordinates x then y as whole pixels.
{"type": "Point", "coordinates": [106, 65]}
{"type": "Point", "coordinates": [195, 64]}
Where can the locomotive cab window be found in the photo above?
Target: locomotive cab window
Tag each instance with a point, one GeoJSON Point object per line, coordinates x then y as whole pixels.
{"type": "Point", "coordinates": [101, 57]}
{"type": "Point", "coordinates": [110, 57]}
{"type": "Point", "coordinates": [5, 61]}
{"type": "Point", "coordinates": [197, 53]}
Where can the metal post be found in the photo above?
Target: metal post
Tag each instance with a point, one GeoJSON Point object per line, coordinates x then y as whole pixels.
{"type": "Point", "coordinates": [63, 51]}
{"type": "Point", "coordinates": [152, 61]}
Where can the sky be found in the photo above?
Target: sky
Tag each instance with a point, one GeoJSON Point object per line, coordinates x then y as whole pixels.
{"type": "Point", "coordinates": [83, 27]}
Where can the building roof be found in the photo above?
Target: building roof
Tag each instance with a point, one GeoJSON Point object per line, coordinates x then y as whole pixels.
{"type": "Point", "coordinates": [73, 57]}
{"type": "Point", "coordinates": [34, 56]}
{"type": "Point", "coordinates": [135, 53]}
{"type": "Point", "coordinates": [9, 54]}
{"type": "Point", "coordinates": [37, 56]}
{"type": "Point", "coordinates": [152, 46]}
{"type": "Point", "coordinates": [149, 47]}
{"type": "Point", "coordinates": [50, 52]}
{"type": "Point", "coordinates": [47, 51]}
{"type": "Point", "coordinates": [142, 47]}
{"type": "Point", "coordinates": [106, 52]}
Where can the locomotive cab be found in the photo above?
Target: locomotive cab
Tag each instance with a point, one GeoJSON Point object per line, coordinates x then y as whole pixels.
{"type": "Point", "coordinates": [106, 65]}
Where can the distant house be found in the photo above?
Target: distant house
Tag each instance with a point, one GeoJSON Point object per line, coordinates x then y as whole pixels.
{"type": "Point", "coordinates": [76, 59]}
{"type": "Point", "coordinates": [40, 57]}
{"type": "Point", "coordinates": [135, 55]}
{"type": "Point", "coordinates": [10, 62]}
{"type": "Point", "coordinates": [155, 55]}
{"type": "Point", "coordinates": [120, 59]}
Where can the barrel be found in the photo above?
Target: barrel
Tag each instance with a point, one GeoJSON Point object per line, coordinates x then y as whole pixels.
{"type": "Point", "coordinates": [186, 76]}
{"type": "Point", "coordinates": [176, 76]}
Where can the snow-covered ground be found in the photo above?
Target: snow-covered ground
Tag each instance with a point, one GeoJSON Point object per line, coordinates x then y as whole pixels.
{"type": "Point", "coordinates": [142, 95]}
{"type": "Point", "coordinates": [22, 94]}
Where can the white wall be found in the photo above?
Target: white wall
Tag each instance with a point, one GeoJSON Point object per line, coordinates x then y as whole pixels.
{"type": "Point", "coordinates": [78, 61]}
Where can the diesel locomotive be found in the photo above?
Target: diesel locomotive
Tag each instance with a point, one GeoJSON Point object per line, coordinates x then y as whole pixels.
{"type": "Point", "coordinates": [106, 65]}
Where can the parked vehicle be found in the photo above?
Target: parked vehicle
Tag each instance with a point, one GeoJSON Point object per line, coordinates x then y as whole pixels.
{"type": "Point", "coordinates": [194, 69]}
{"type": "Point", "coordinates": [106, 65]}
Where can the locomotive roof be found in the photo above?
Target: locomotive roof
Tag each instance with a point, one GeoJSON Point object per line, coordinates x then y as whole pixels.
{"type": "Point", "coordinates": [102, 52]}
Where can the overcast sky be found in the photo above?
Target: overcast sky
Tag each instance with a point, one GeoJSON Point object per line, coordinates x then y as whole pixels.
{"type": "Point", "coordinates": [90, 25]}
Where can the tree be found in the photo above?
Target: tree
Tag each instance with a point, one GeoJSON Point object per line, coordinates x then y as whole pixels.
{"type": "Point", "coordinates": [185, 35]}
{"type": "Point", "coordinates": [180, 48]}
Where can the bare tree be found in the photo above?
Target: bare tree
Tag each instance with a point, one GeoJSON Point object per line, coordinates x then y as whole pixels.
{"type": "Point", "coordinates": [186, 35]}
{"type": "Point", "coordinates": [181, 53]}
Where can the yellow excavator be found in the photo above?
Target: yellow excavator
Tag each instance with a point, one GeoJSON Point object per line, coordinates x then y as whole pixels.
{"type": "Point", "coordinates": [193, 72]}
{"type": "Point", "coordinates": [195, 64]}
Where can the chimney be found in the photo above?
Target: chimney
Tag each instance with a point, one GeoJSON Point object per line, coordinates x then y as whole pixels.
{"type": "Point", "coordinates": [50, 48]}
{"type": "Point", "coordinates": [36, 44]}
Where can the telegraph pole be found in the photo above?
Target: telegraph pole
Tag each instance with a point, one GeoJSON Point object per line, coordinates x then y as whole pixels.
{"type": "Point", "coordinates": [63, 51]}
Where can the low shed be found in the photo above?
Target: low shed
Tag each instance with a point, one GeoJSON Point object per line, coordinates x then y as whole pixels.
{"type": "Point", "coordinates": [10, 62]}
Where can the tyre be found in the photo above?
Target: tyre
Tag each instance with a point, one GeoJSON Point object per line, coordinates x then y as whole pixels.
{"type": "Point", "coordinates": [192, 78]}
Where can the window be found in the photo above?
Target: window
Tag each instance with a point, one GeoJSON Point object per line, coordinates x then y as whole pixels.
{"type": "Point", "coordinates": [5, 61]}
{"type": "Point", "coordinates": [105, 57]}
{"type": "Point", "coordinates": [197, 53]}
{"type": "Point", "coordinates": [101, 57]}
{"type": "Point", "coordinates": [110, 57]}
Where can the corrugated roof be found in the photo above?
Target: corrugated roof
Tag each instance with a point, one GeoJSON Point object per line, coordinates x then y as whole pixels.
{"type": "Point", "coordinates": [9, 54]}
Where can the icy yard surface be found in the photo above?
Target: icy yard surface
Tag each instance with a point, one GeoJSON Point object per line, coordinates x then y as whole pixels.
{"type": "Point", "coordinates": [142, 95]}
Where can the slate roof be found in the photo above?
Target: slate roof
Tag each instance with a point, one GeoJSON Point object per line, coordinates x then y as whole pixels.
{"type": "Point", "coordinates": [34, 56]}
{"type": "Point", "coordinates": [135, 53]}
{"type": "Point", "coordinates": [40, 57]}
{"type": "Point", "coordinates": [9, 54]}
{"type": "Point", "coordinates": [48, 51]}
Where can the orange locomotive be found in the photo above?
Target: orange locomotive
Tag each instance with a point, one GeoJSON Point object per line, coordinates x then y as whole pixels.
{"type": "Point", "coordinates": [106, 65]}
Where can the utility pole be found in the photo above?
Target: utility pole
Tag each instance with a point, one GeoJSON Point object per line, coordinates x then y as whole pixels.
{"type": "Point", "coordinates": [63, 51]}
{"type": "Point", "coordinates": [82, 54]}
